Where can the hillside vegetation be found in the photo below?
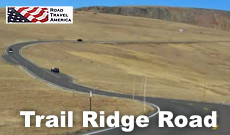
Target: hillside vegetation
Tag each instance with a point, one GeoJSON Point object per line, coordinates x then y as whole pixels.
{"type": "Point", "coordinates": [196, 71]}
{"type": "Point", "coordinates": [202, 17]}
{"type": "Point", "coordinates": [19, 91]}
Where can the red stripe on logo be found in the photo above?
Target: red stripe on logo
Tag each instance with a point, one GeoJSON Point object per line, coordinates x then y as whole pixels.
{"type": "Point", "coordinates": [21, 9]}
{"type": "Point", "coordinates": [34, 20]}
{"type": "Point", "coordinates": [26, 15]}
{"type": "Point", "coordinates": [33, 10]}
{"type": "Point", "coordinates": [40, 14]}
{"type": "Point", "coordinates": [45, 19]}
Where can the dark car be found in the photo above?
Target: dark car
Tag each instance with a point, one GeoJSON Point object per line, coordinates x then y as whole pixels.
{"type": "Point", "coordinates": [55, 70]}
{"type": "Point", "coordinates": [10, 50]}
{"type": "Point", "coordinates": [79, 40]}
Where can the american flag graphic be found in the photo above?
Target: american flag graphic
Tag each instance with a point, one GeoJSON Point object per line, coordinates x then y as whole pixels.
{"type": "Point", "coordinates": [27, 15]}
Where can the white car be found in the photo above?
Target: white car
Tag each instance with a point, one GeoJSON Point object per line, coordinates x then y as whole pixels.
{"type": "Point", "coordinates": [10, 50]}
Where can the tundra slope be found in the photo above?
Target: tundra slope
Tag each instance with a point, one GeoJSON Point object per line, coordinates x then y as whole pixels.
{"type": "Point", "coordinates": [202, 17]}
{"type": "Point", "coordinates": [176, 106]}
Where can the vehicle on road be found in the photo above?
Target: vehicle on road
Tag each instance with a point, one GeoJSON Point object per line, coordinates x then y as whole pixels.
{"type": "Point", "coordinates": [55, 70]}
{"type": "Point", "coordinates": [10, 50]}
{"type": "Point", "coordinates": [79, 40]}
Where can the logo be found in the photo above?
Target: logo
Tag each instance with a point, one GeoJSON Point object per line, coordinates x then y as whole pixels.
{"type": "Point", "coordinates": [41, 15]}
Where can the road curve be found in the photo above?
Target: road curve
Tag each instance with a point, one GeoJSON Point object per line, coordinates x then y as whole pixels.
{"type": "Point", "coordinates": [178, 107]}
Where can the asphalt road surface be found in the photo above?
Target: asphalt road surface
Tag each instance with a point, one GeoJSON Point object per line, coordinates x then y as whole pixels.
{"type": "Point", "coordinates": [178, 107]}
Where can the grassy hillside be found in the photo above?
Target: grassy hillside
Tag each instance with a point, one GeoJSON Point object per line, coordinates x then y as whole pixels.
{"type": "Point", "coordinates": [182, 71]}
{"type": "Point", "coordinates": [201, 17]}
{"type": "Point", "coordinates": [197, 71]}
{"type": "Point", "coordinates": [19, 91]}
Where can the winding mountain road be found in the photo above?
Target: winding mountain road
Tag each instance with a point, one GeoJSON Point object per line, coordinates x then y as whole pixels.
{"type": "Point", "coordinates": [178, 107]}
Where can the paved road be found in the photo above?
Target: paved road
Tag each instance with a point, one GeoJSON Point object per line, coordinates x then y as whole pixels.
{"type": "Point", "coordinates": [178, 107]}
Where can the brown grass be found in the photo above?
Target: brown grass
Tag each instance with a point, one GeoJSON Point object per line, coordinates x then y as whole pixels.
{"type": "Point", "coordinates": [22, 92]}
{"type": "Point", "coordinates": [19, 91]}
{"type": "Point", "coordinates": [173, 71]}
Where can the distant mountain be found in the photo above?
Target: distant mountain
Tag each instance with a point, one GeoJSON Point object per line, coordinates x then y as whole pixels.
{"type": "Point", "coordinates": [202, 17]}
